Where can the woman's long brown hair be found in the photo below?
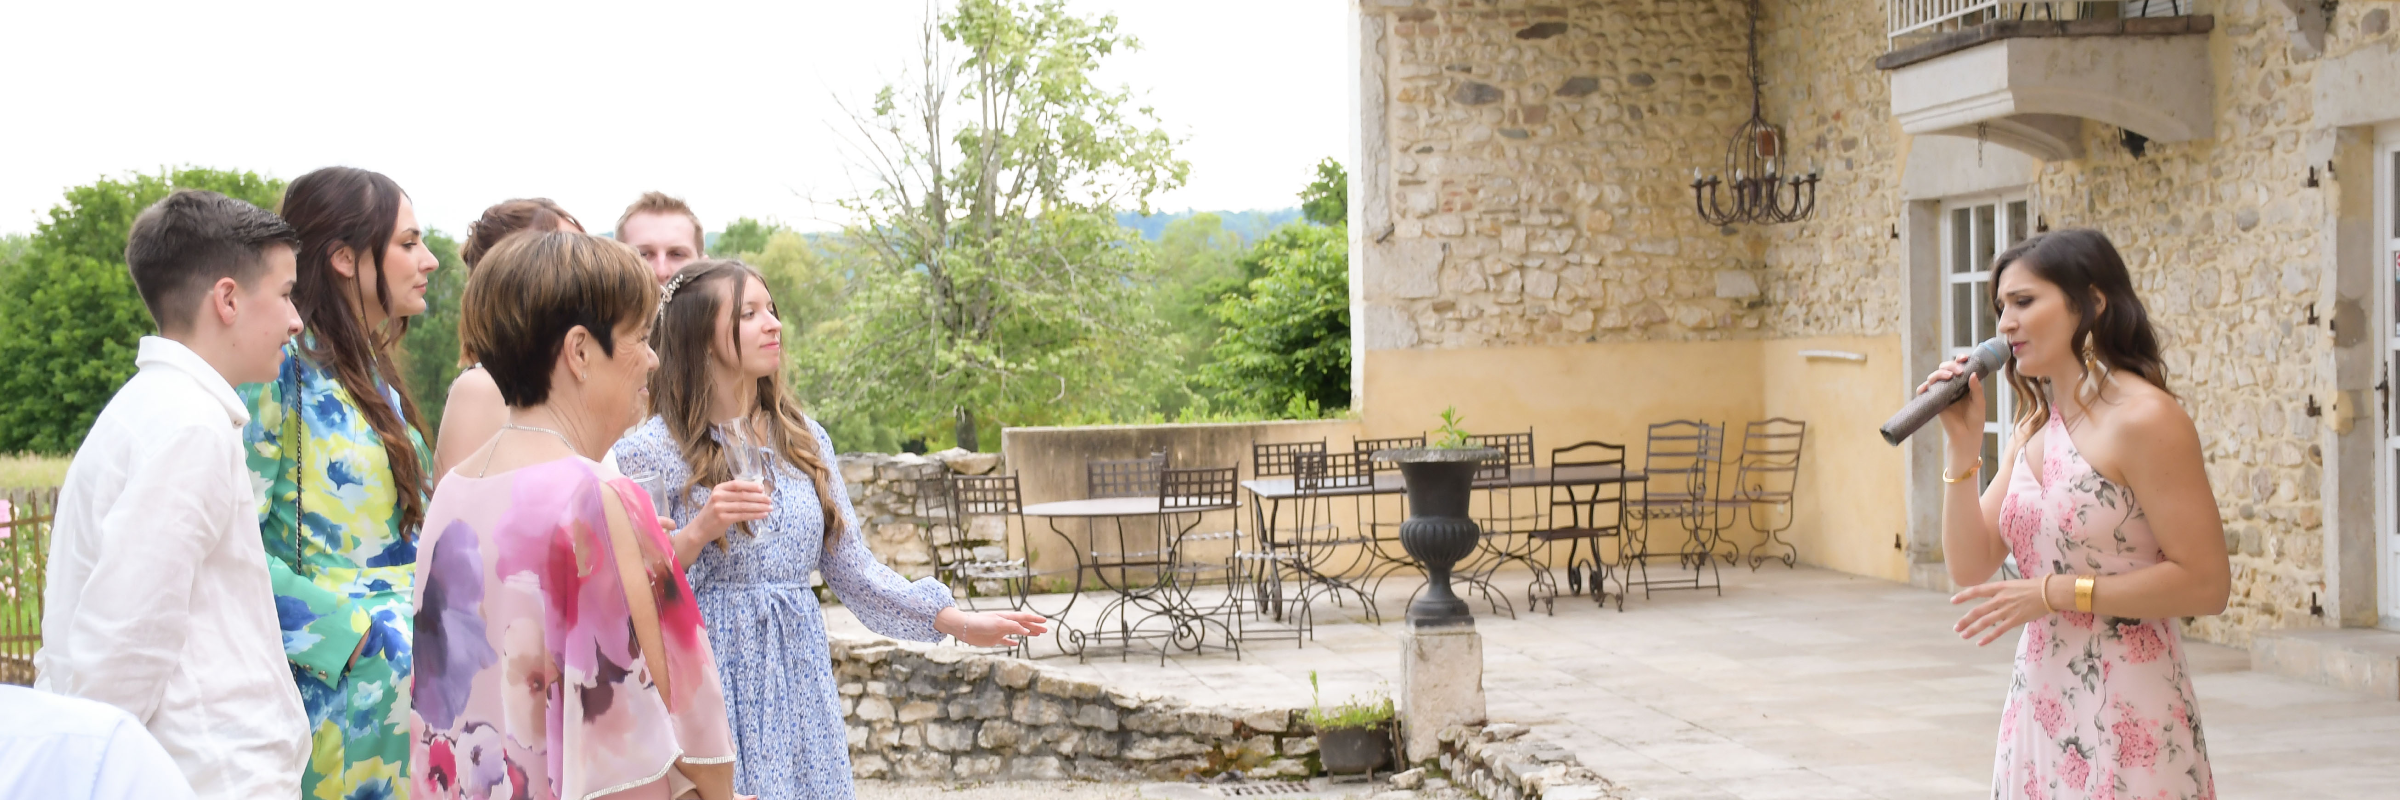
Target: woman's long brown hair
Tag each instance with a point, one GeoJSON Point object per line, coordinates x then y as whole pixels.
{"type": "Point", "coordinates": [2082, 263]}
{"type": "Point", "coordinates": [342, 207]}
{"type": "Point", "coordinates": [682, 391]}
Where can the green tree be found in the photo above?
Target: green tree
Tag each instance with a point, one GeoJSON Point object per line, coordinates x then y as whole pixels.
{"type": "Point", "coordinates": [1286, 343]}
{"type": "Point", "coordinates": [744, 235]}
{"type": "Point", "coordinates": [990, 276]}
{"type": "Point", "coordinates": [12, 250]}
{"type": "Point", "coordinates": [1198, 265]}
{"type": "Point", "coordinates": [70, 319]}
{"type": "Point", "coordinates": [807, 291]}
{"type": "Point", "coordinates": [428, 353]}
{"type": "Point", "coordinates": [1327, 201]}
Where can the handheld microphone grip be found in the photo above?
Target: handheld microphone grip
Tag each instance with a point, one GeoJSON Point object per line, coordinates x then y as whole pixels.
{"type": "Point", "coordinates": [1987, 358]}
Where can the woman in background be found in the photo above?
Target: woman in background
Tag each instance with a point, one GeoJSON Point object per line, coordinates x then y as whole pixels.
{"type": "Point", "coordinates": [335, 441]}
{"type": "Point", "coordinates": [720, 379]}
{"type": "Point", "coordinates": [474, 411]}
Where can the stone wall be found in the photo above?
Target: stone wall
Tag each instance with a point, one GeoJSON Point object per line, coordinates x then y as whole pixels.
{"type": "Point", "coordinates": [1539, 156]}
{"type": "Point", "coordinates": [1500, 762]}
{"type": "Point", "coordinates": [935, 713]}
{"type": "Point", "coordinates": [903, 532]}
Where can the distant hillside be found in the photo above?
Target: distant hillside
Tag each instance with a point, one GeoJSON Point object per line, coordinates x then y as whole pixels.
{"type": "Point", "coordinates": [1251, 225]}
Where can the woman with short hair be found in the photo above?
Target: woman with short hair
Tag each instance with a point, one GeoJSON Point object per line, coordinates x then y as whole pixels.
{"type": "Point", "coordinates": [560, 653]}
{"type": "Point", "coordinates": [2102, 497]}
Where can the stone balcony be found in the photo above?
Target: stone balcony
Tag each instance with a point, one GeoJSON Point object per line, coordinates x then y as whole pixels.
{"type": "Point", "coordinates": [2029, 84]}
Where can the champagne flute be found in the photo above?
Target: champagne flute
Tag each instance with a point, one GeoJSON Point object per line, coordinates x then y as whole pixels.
{"type": "Point", "coordinates": [655, 483]}
{"type": "Point", "coordinates": [744, 457]}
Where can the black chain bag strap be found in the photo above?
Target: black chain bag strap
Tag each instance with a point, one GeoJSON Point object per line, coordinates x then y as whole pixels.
{"type": "Point", "coordinates": [294, 442]}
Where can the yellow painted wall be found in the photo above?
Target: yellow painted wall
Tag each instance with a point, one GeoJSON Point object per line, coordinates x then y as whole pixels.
{"type": "Point", "coordinates": [1850, 497]}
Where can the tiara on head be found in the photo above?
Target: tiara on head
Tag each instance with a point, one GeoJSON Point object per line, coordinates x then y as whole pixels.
{"type": "Point", "coordinates": [668, 294]}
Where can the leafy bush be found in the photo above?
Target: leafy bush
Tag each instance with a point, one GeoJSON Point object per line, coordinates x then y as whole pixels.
{"type": "Point", "coordinates": [70, 319]}
{"type": "Point", "coordinates": [1286, 342]}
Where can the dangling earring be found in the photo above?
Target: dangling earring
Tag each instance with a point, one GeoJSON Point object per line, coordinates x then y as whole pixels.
{"type": "Point", "coordinates": [2091, 360]}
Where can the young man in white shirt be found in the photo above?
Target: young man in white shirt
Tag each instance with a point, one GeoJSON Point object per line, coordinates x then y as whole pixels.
{"type": "Point", "coordinates": [159, 601]}
{"type": "Point", "coordinates": [664, 231]}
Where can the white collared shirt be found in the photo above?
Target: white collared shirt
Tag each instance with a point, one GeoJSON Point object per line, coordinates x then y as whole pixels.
{"type": "Point", "coordinates": [70, 748]}
{"type": "Point", "coordinates": [159, 601]}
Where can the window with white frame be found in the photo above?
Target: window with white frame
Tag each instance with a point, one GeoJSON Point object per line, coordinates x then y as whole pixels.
{"type": "Point", "coordinates": [1974, 229]}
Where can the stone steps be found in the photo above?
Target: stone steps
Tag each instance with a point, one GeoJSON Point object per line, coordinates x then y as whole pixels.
{"type": "Point", "coordinates": [2358, 659]}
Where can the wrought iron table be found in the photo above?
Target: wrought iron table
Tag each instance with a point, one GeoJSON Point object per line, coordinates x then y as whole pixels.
{"type": "Point", "coordinates": [1143, 602]}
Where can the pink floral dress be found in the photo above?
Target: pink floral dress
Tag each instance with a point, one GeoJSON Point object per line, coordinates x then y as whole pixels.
{"type": "Point", "coordinates": [2100, 707]}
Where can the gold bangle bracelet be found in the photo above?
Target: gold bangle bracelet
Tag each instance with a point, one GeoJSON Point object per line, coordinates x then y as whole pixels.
{"type": "Point", "coordinates": [1946, 478]}
{"type": "Point", "coordinates": [2083, 594]}
{"type": "Point", "coordinates": [2046, 607]}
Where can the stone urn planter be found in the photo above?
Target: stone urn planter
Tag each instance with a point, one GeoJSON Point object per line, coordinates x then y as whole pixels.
{"type": "Point", "coordinates": [1438, 531]}
{"type": "Point", "coordinates": [1353, 751]}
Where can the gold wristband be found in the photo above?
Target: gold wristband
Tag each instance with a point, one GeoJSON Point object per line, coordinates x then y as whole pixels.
{"type": "Point", "coordinates": [2083, 594]}
{"type": "Point", "coordinates": [2046, 607]}
{"type": "Point", "coordinates": [1946, 478]}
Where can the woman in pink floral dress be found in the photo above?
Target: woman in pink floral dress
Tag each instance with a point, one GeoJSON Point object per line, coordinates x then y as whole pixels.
{"type": "Point", "coordinates": [2101, 497]}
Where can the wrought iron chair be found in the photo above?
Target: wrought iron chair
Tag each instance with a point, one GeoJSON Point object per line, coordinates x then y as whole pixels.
{"type": "Point", "coordinates": [1365, 449]}
{"type": "Point", "coordinates": [1264, 562]}
{"type": "Point", "coordinates": [1679, 461]}
{"type": "Point", "coordinates": [1198, 491]}
{"type": "Point", "coordinates": [1592, 512]}
{"type": "Point", "coordinates": [1767, 475]}
{"type": "Point", "coordinates": [1327, 561]}
{"type": "Point", "coordinates": [1006, 571]}
{"type": "Point", "coordinates": [1371, 514]}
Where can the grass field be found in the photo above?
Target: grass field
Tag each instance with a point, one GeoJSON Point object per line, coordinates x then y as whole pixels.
{"type": "Point", "coordinates": [30, 470]}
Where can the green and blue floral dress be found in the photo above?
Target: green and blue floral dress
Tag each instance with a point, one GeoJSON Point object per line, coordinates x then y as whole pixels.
{"type": "Point", "coordinates": [343, 572]}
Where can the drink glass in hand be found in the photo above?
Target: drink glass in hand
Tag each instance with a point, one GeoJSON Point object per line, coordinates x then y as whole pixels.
{"type": "Point", "coordinates": [660, 492]}
{"type": "Point", "coordinates": [746, 458]}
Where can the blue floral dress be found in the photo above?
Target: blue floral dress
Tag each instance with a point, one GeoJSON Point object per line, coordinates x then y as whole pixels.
{"type": "Point", "coordinates": [766, 628]}
{"type": "Point", "coordinates": [343, 571]}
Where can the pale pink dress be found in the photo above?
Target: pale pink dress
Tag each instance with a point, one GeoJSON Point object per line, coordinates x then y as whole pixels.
{"type": "Point", "coordinates": [2099, 707]}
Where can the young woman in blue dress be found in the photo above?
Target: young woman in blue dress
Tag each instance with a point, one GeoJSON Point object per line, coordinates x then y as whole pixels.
{"type": "Point", "coordinates": [720, 351]}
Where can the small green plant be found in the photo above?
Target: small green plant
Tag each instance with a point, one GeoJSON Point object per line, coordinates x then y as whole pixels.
{"type": "Point", "coordinates": [1370, 710]}
{"type": "Point", "coordinates": [1450, 436]}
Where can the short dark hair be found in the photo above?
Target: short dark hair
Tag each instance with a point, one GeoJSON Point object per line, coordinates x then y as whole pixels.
{"type": "Point", "coordinates": [535, 287]}
{"type": "Point", "coordinates": [183, 244]}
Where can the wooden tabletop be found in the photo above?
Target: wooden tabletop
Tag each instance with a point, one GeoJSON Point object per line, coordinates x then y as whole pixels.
{"type": "Point", "coordinates": [1116, 507]}
{"type": "Point", "coordinates": [1390, 482]}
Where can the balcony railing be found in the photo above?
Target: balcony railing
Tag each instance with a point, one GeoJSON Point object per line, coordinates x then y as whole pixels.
{"type": "Point", "coordinates": [1912, 18]}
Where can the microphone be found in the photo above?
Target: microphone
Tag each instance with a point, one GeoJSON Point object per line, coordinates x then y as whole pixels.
{"type": "Point", "coordinates": [1987, 358]}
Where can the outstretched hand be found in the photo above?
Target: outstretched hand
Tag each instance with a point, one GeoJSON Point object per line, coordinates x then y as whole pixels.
{"type": "Point", "coordinates": [990, 628]}
{"type": "Point", "coordinates": [2012, 603]}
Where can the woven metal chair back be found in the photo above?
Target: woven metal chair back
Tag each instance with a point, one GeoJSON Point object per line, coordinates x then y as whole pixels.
{"type": "Point", "coordinates": [1317, 473]}
{"type": "Point", "coordinates": [978, 495]}
{"type": "Point", "coordinates": [1275, 460]}
{"type": "Point", "coordinates": [1516, 450]}
{"type": "Point", "coordinates": [1197, 487]}
{"type": "Point", "coordinates": [1365, 450]}
{"type": "Point", "coordinates": [1132, 477]}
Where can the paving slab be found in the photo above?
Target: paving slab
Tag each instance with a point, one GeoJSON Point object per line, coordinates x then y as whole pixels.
{"type": "Point", "coordinates": [1797, 683]}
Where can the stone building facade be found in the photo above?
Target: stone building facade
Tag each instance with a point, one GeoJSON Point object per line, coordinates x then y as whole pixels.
{"type": "Point", "coordinates": [1523, 224]}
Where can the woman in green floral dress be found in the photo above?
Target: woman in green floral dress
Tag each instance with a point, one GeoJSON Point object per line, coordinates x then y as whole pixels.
{"type": "Point", "coordinates": [336, 449]}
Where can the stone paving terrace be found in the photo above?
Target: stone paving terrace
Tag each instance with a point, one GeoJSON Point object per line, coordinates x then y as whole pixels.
{"type": "Point", "coordinates": [1795, 684]}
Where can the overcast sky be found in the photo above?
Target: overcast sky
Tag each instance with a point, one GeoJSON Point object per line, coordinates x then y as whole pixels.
{"type": "Point", "coordinates": [730, 105]}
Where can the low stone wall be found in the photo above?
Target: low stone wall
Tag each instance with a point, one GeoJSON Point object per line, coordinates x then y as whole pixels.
{"type": "Point", "coordinates": [900, 530]}
{"type": "Point", "coordinates": [1500, 762]}
{"type": "Point", "coordinates": [936, 713]}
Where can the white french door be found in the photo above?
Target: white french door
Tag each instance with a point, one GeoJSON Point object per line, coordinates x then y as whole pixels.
{"type": "Point", "coordinates": [1974, 229]}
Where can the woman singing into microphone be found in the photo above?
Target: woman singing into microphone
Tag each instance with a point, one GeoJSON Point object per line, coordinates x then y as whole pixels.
{"type": "Point", "coordinates": [2102, 498]}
